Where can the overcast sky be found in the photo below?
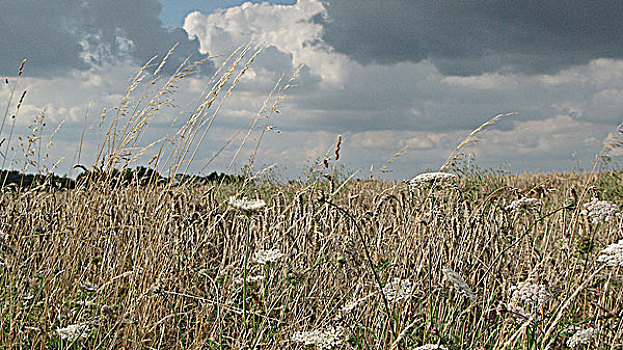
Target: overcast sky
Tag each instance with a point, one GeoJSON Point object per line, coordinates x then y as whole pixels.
{"type": "Point", "coordinates": [388, 75]}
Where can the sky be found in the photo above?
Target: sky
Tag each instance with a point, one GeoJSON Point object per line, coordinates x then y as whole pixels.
{"type": "Point", "coordinates": [393, 76]}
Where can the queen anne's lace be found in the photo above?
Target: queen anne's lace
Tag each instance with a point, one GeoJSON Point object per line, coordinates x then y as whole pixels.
{"type": "Point", "coordinates": [435, 177]}
{"type": "Point", "coordinates": [583, 336]}
{"type": "Point", "coordinates": [322, 339]}
{"type": "Point", "coordinates": [267, 256]}
{"type": "Point", "coordinates": [398, 289]}
{"type": "Point", "coordinates": [246, 204]}
{"type": "Point", "coordinates": [529, 293]}
{"type": "Point", "coordinates": [524, 204]}
{"type": "Point", "coordinates": [74, 332]}
{"type": "Point", "coordinates": [431, 347]}
{"type": "Point", "coordinates": [612, 255]}
{"type": "Point", "coordinates": [600, 211]}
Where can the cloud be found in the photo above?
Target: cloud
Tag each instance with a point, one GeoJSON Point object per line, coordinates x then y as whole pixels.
{"type": "Point", "coordinates": [475, 37]}
{"type": "Point", "coordinates": [60, 36]}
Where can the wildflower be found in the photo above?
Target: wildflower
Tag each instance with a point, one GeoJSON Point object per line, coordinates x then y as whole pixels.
{"type": "Point", "coordinates": [250, 279]}
{"type": "Point", "coordinates": [583, 336]}
{"type": "Point", "coordinates": [267, 256]}
{"type": "Point", "coordinates": [435, 177]}
{"type": "Point", "coordinates": [322, 339]}
{"type": "Point", "coordinates": [245, 204]}
{"type": "Point", "coordinates": [612, 255]}
{"type": "Point", "coordinates": [458, 282]}
{"type": "Point", "coordinates": [398, 289]}
{"type": "Point", "coordinates": [431, 347]}
{"type": "Point", "coordinates": [74, 332]}
{"type": "Point", "coordinates": [529, 293]}
{"type": "Point", "coordinates": [523, 204]}
{"type": "Point", "coordinates": [600, 211]}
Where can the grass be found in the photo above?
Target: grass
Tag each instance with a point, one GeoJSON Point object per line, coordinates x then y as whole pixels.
{"type": "Point", "coordinates": [169, 265]}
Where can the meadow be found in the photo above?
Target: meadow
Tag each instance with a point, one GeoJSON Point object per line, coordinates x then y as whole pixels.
{"type": "Point", "coordinates": [472, 260]}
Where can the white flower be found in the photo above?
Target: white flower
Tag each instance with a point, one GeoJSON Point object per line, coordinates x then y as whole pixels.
{"type": "Point", "coordinates": [529, 293]}
{"type": "Point", "coordinates": [322, 339]}
{"type": "Point", "coordinates": [612, 255]}
{"type": "Point", "coordinates": [246, 204]}
{"type": "Point", "coordinates": [431, 177]}
{"type": "Point", "coordinates": [431, 347]}
{"type": "Point", "coordinates": [600, 211]}
{"type": "Point", "coordinates": [74, 332]}
{"type": "Point", "coordinates": [523, 204]}
{"type": "Point", "coordinates": [3, 236]}
{"type": "Point", "coordinates": [583, 336]}
{"type": "Point", "coordinates": [398, 289]}
{"type": "Point", "coordinates": [267, 256]}
{"type": "Point", "coordinates": [458, 282]}
{"type": "Point", "coordinates": [250, 279]}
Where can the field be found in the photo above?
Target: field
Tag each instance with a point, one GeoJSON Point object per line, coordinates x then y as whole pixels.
{"type": "Point", "coordinates": [158, 267]}
{"type": "Point", "coordinates": [484, 260]}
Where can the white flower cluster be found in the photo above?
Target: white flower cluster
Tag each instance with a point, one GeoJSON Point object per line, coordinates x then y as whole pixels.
{"type": "Point", "coordinates": [523, 204]}
{"type": "Point", "coordinates": [583, 336]}
{"type": "Point", "coordinates": [600, 211]}
{"type": "Point", "coordinates": [74, 332]}
{"type": "Point", "coordinates": [529, 293]}
{"type": "Point", "coordinates": [398, 289]}
{"type": "Point", "coordinates": [431, 347]}
{"type": "Point", "coordinates": [435, 177]}
{"type": "Point", "coordinates": [250, 279]}
{"type": "Point", "coordinates": [267, 256]}
{"type": "Point", "coordinates": [458, 282]}
{"type": "Point", "coordinates": [322, 339]}
{"type": "Point", "coordinates": [612, 255]}
{"type": "Point", "coordinates": [246, 204]}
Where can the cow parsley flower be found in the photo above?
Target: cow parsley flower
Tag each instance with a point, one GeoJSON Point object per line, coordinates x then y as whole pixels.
{"type": "Point", "coordinates": [583, 336]}
{"type": "Point", "coordinates": [431, 347]}
{"type": "Point", "coordinates": [250, 279]}
{"type": "Point", "coordinates": [529, 293]}
{"type": "Point", "coordinates": [434, 177]}
{"type": "Point", "coordinates": [245, 204]}
{"type": "Point", "coordinates": [398, 289]}
{"type": "Point", "coordinates": [267, 256]}
{"type": "Point", "coordinates": [612, 255]}
{"type": "Point", "coordinates": [322, 339]}
{"type": "Point", "coordinates": [523, 204]}
{"type": "Point", "coordinates": [458, 282]}
{"type": "Point", "coordinates": [74, 332]}
{"type": "Point", "coordinates": [600, 211]}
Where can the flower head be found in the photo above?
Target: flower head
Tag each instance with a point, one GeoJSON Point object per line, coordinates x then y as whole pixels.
{"type": "Point", "coordinates": [398, 289]}
{"type": "Point", "coordinates": [458, 282]}
{"type": "Point", "coordinates": [245, 204]}
{"type": "Point", "coordinates": [267, 256]}
{"type": "Point", "coordinates": [524, 204]}
{"type": "Point", "coordinates": [612, 255]}
{"type": "Point", "coordinates": [250, 279]}
{"type": "Point", "coordinates": [529, 293]}
{"type": "Point", "coordinates": [322, 339]}
{"type": "Point", "coordinates": [431, 347]}
{"type": "Point", "coordinates": [582, 336]}
{"type": "Point", "coordinates": [434, 177]}
{"type": "Point", "coordinates": [74, 332]}
{"type": "Point", "coordinates": [600, 211]}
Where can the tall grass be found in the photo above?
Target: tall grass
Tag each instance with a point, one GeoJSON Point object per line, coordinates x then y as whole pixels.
{"type": "Point", "coordinates": [365, 265]}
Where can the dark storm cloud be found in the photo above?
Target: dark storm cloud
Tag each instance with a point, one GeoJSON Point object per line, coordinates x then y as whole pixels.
{"type": "Point", "coordinates": [472, 37]}
{"type": "Point", "coordinates": [49, 34]}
